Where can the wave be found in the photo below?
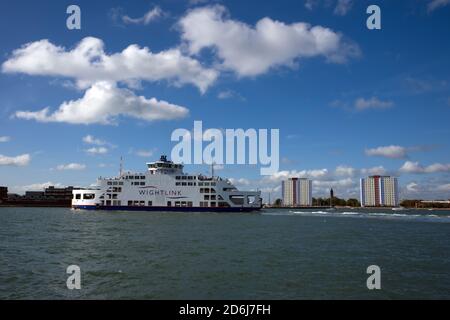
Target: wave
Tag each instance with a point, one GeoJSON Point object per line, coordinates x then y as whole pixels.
{"type": "Point", "coordinates": [361, 214]}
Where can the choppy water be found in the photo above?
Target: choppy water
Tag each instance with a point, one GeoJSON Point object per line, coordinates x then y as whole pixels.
{"type": "Point", "coordinates": [278, 254]}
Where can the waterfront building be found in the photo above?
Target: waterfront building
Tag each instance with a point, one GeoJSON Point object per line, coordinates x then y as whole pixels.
{"type": "Point", "coordinates": [379, 191]}
{"type": "Point", "coordinates": [297, 192]}
{"type": "Point", "coordinates": [52, 193]}
{"type": "Point", "coordinates": [3, 193]}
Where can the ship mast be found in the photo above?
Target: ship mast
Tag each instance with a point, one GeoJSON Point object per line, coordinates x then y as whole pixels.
{"type": "Point", "coordinates": [121, 167]}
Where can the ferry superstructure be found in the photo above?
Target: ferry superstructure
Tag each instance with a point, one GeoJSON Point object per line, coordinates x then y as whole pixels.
{"type": "Point", "coordinates": [165, 187]}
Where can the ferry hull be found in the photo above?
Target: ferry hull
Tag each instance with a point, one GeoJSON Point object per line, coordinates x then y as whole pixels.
{"type": "Point", "coordinates": [167, 209]}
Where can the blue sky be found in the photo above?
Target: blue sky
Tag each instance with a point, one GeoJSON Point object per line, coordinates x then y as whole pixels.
{"type": "Point", "coordinates": [348, 101]}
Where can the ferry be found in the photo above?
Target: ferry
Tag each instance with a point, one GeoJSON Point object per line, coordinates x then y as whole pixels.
{"type": "Point", "coordinates": [165, 187]}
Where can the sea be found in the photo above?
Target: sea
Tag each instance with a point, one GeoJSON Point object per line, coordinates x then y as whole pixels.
{"type": "Point", "coordinates": [274, 254]}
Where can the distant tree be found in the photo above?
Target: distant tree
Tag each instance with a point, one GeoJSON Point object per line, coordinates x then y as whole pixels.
{"type": "Point", "coordinates": [353, 202]}
{"type": "Point", "coordinates": [277, 203]}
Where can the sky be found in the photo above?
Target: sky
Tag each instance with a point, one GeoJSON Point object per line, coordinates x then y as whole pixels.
{"type": "Point", "coordinates": [349, 102]}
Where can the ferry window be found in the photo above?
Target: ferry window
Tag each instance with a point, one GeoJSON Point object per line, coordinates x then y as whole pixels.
{"type": "Point", "coordinates": [213, 183]}
{"type": "Point", "coordinates": [130, 203]}
{"type": "Point", "coordinates": [183, 183]}
{"type": "Point", "coordinates": [78, 196]}
{"type": "Point", "coordinates": [223, 204]}
{"type": "Point", "coordinates": [200, 184]}
{"type": "Point", "coordinates": [190, 177]}
{"type": "Point", "coordinates": [115, 183]}
{"type": "Point", "coordinates": [169, 203]}
{"type": "Point", "coordinates": [177, 203]}
{"type": "Point", "coordinates": [142, 183]}
{"type": "Point", "coordinates": [121, 183]}
{"type": "Point", "coordinates": [177, 183]}
{"type": "Point", "coordinates": [195, 183]}
{"type": "Point", "coordinates": [114, 196]}
{"type": "Point", "coordinates": [203, 204]}
{"type": "Point", "coordinates": [143, 177]}
{"type": "Point", "coordinates": [189, 204]}
{"type": "Point", "coordinates": [219, 197]}
{"type": "Point", "coordinates": [213, 197]}
{"type": "Point", "coordinates": [136, 177]}
{"type": "Point", "coordinates": [183, 178]}
{"type": "Point", "coordinates": [109, 183]}
{"type": "Point", "coordinates": [142, 203]}
{"type": "Point", "coordinates": [189, 183]}
{"type": "Point", "coordinates": [183, 203]}
{"type": "Point", "coordinates": [177, 177]}
{"type": "Point", "coordinates": [136, 203]}
{"type": "Point", "coordinates": [213, 190]}
{"type": "Point", "coordinates": [150, 203]}
{"type": "Point", "coordinates": [108, 202]}
{"type": "Point", "coordinates": [213, 204]}
{"type": "Point", "coordinates": [88, 196]}
{"type": "Point", "coordinates": [206, 196]}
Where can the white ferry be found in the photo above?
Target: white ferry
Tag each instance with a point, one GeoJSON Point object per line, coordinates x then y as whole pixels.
{"type": "Point", "coordinates": [165, 187]}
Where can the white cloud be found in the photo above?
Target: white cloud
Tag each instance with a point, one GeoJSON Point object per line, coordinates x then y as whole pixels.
{"type": "Point", "coordinates": [374, 171]}
{"type": "Point", "coordinates": [19, 161]}
{"type": "Point", "coordinates": [412, 187]}
{"type": "Point", "coordinates": [229, 94]}
{"type": "Point", "coordinates": [396, 152]}
{"type": "Point", "coordinates": [283, 175]}
{"type": "Point", "coordinates": [36, 187]}
{"type": "Point", "coordinates": [148, 17]}
{"type": "Point", "coordinates": [416, 167]}
{"type": "Point", "coordinates": [5, 138]}
{"type": "Point", "coordinates": [103, 103]}
{"type": "Point", "coordinates": [97, 150]}
{"type": "Point", "coordinates": [311, 4]}
{"type": "Point", "coordinates": [345, 171]}
{"type": "Point", "coordinates": [250, 51]}
{"type": "Point", "coordinates": [240, 181]}
{"type": "Point", "coordinates": [89, 139]}
{"type": "Point", "coordinates": [343, 7]}
{"type": "Point", "coordinates": [71, 166]}
{"type": "Point", "coordinates": [88, 63]}
{"type": "Point", "coordinates": [144, 153]}
{"type": "Point", "coordinates": [436, 4]}
{"type": "Point", "coordinates": [372, 103]}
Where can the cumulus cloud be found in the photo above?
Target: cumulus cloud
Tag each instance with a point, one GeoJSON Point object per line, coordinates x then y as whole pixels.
{"type": "Point", "coordinates": [412, 187]}
{"type": "Point", "coordinates": [144, 153]}
{"type": "Point", "coordinates": [103, 103]}
{"type": "Point", "coordinates": [71, 166]}
{"type": "Point", "coordinates": [88, 63]}
{"type": "Point", "coordinates": [19, 161]}
{"type": "Point", "coordinates": [416, 167]}
{"type": "Point", "coordinates": [5, 138]}
{"type": "Point", "coordinates": [436, 4]}
{"type": "Point", "coordinates": [395, 152]}
{"type": "Point", "coordinates": [372, 103]}
{"type": "Point", "coordinates": [343, 7]}
{"type": "Point", "coordinates": [251, 51]}
{"type": "Point", "coordinates": [283, 175]}
{"type": "Point", "coordinates": [89, 139]}
{"type": "Point", "coordinates": [97, 150]}
{"type": "Point", "coordinates": [148, 17]}
{"type": "Point", "coordinates": [374, 171]}
{"type": "Point", "coordinates": [36, 187]}
{"type": "Point", "coordinates": [345, 171]}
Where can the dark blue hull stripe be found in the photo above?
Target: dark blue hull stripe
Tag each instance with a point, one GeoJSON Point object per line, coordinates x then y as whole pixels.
{"type": "Point", "coordinates": [171, 209]}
